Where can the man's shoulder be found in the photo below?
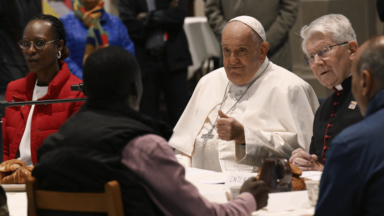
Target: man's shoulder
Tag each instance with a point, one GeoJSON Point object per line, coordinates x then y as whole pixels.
{"type": "Point", "coordinates": [214, 75]}
{"type": "Point", "coordinates": [328, 103]}
{"type": "Point", "coordinates": [367, 131]}
{"type": "Point", "coordinates": [209, 80]}
{"type": "Point", "coordinates": [148, 143]}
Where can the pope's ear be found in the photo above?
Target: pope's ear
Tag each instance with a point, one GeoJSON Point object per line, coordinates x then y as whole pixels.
{"type": "Point", "coordinates": [264, 50]}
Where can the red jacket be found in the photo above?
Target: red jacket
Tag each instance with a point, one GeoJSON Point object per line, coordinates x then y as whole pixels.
{"type": "Point", "coordinates": [46, 119]}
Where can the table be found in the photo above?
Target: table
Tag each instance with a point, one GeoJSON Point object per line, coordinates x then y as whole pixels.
{"type": "Point", "coordinates": [17, 203]}
{"type": "Point", "coordinates": [279, 204]}
{"type": "Point", "coordinates": [202, 42]}
{"type": "Point", "coordinates": [210, 185]}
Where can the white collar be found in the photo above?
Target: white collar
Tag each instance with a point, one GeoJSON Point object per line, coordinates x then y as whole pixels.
{"type": "Point", "coordinates": [340, 87]}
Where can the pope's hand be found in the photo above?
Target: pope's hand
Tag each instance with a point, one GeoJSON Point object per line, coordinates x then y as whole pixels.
{"type": "Point", "coordinates": [305, 161]}
{"type": "Point", "coordinates": [229, 128]}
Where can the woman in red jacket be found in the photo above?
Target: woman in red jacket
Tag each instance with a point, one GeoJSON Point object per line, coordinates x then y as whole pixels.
{"type": "Point", "coordinates": [44, 47]}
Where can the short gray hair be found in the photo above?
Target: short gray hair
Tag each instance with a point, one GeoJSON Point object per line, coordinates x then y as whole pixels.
{"type": "Point", "coordinates": [256, 37]}
{"type": "Point", "coordinates": [335, 25]}
{"type": "Point", "coordinates": [372, 59]}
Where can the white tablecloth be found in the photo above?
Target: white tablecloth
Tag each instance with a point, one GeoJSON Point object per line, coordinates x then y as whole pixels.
{"type": "Point", "coordinates": [202, 42]}
{"type": "Point", "coordinates": [279, 204]}
{"type": "Point", "coordinates": [17, 203]}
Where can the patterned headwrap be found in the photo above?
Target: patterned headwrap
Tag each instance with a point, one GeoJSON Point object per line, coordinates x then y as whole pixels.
{"type": "Point", "coordinates": [96, 37]}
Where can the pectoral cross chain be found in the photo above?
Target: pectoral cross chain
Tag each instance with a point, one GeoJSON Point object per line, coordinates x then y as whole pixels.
{"type": "Point", "coordinates": [207, 136]}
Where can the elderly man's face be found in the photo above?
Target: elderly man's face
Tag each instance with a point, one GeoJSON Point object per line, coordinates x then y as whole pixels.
{"type": "Point", "coordinates": [336, 67]}
{"type": "Point", "coordinates": [242, 55]}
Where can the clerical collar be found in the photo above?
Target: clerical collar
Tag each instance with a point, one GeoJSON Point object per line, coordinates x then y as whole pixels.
{"type": "Point", "coordinates": [262, 69]}
{"type": "Point", "coordinates": [339, 87]}
{"type": "Point", "coordinates": [346, 84]}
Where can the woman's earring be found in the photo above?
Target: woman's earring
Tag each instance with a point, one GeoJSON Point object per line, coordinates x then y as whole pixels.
{"type": "Point", "coordinates": [59, 55]}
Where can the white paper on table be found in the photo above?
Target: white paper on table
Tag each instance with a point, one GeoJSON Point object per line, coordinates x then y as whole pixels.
{"type": "Point", "coordinates": [205, 176]}
{"type": "Point", "coordinates": [237, 178]}
{"type": "Point", "coordinates": [189, 171]}
{"type": "Point", "coordinates": [313, 175]}
{"type": "Point", "coordinates": [288, 201]}
{"type": "Point", "coordinates": [296, 212]}
{"type": "Point", "coordinates": [212, 192]}
{"type": "Point", "coordinates": [209, 178]}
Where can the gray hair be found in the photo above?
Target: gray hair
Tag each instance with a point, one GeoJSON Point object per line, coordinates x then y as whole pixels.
{"type": "Point", "coordinates": [255, 35]}
{"type": "Point", "coordinates": [372, 59]}
{"type": "Point", "coordinates": [335, 25]}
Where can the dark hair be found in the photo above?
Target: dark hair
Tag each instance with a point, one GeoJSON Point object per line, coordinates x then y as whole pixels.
{"type": "Point", "coordinates": [109, 74]}
{"type": "Point", "coordinates": [59, 29]}
{"type": "Point", "coordinates": [372, 59]}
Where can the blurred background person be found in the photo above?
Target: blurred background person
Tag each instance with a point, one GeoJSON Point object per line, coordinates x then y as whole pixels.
{"type": "Point", "coordinates": [156, 27]}
{"type": "Point", "coordinates": [14, 16]}
{"type": "Point", "coordinates": [88, 28]}
{"type": "Point", "coordinates": [277, 17]}
{"type": "Point", "coordinates": [24, 129]}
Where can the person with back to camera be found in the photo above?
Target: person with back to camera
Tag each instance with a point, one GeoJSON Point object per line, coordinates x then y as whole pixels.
{"type": "Point", "coordinates": [25, 127]}
{"type": "Point", "coordinates": [352, 181]}
{"type": "Point", "coordinates": [89, 27]}
{"type": "Point", "coordinates": [108, 139]}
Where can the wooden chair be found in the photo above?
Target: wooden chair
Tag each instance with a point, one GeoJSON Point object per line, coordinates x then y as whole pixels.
{"type": "Point", "coordinates": [109, 202]}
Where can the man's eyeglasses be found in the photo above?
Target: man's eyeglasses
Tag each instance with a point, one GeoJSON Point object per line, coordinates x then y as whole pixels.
{"type": "Point", "coordinates": [38, 43]}
{"type": "Point", "coordinates": [323, 54]}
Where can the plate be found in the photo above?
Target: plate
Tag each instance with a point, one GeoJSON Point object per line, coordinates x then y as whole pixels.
{"type": "Point", "coordinates": [14, 187]}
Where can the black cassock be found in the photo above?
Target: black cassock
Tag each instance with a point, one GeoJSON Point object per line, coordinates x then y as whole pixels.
{"type": "Point", "coordinates": [334, 115]}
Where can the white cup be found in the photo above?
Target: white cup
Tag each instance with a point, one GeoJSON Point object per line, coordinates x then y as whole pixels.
{"type": "Point", "coordinates": [313, 190]}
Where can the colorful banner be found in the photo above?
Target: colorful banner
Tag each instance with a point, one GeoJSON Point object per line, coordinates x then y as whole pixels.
{"type": "Point", "coordinates": [56, 8]}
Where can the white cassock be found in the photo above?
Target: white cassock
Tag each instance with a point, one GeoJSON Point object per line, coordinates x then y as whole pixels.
{"type": "Point", "coordinates": [277, 113]}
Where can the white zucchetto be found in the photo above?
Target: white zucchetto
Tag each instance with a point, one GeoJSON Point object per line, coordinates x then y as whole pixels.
{"type": "Point", "coordinates": [253, 23]}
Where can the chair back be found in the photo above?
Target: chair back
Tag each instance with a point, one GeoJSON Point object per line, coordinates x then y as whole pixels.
{"type": "Point", "coordinates": [108, 202]}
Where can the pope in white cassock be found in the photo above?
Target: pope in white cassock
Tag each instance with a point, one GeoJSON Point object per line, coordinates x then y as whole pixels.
{"type": "Point", "coordinates": [247, 111]}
